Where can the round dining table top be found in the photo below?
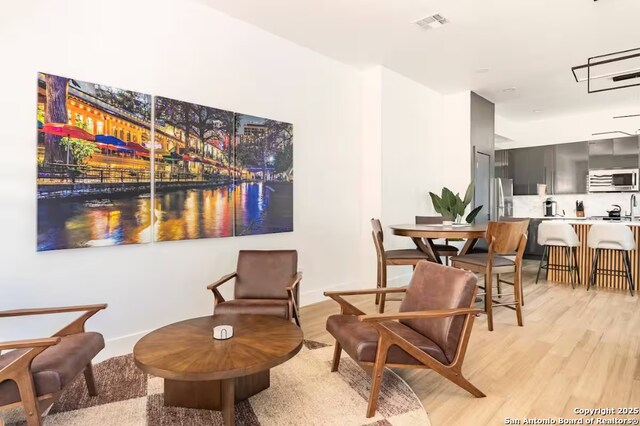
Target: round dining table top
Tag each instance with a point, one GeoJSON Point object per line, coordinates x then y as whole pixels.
{"type": "Point", "coordinates": [439, 231]}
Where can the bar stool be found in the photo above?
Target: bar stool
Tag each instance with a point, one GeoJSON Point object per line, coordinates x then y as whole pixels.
{"type": "Point", "coordinates": [559, 234]}
{"type": "Point", "coordinates": [616, 237]}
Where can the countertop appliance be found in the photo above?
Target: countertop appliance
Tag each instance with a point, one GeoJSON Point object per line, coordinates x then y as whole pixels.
{"type": "Point", "coordinates": [615, 212]}
{"type": "Point", "coordinates": [613, 180]}
{"type": "Point", "coordinates": [550, 207]}
{"type": "Point", "coordinates": [504, 198]}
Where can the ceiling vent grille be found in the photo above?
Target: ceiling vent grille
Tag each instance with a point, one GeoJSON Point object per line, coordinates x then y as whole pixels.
{"type": "Point", "coordinates": [433, 21]}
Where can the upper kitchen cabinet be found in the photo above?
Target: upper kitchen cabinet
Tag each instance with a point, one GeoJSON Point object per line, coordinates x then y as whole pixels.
{"type": "Point", "coordinates": [529, 167]}
{"type": "Point", "coordinates": [619, 153]}
{"type": "Point", "coordinates": [571, 168]}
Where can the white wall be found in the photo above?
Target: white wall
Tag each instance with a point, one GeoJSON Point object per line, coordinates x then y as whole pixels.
{"type": "Point", "coordinates": [566, 128]}
{"type": "Point", "coordinates": [188, 51]}
{"type": "Point", "coordinates": [425, 144]}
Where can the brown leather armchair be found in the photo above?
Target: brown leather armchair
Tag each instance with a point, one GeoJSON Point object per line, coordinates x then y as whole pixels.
{"type": "Point", "coordinates": [431, 330]}
{"type": "Point", "coordinates": [36, 371]}
{"type": "Point", "coordinates": [266, 284]}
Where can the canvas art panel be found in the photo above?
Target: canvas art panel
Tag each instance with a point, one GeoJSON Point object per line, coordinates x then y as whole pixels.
{"type": "Point", "coordinates": [194, 171]}
{"type": "Point", "coordinates": [263, 192]}
{"type": "Point", "coordinates": [93, 164]}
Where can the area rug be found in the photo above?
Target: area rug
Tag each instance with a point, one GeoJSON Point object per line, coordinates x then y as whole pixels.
{"type": "Point", "coordinates": [303, 392]}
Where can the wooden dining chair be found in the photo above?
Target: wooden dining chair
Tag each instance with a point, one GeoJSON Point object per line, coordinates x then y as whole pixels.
{"type": "Point", "coordinates": [431, 330]}
{"type": "Point", "coordinates": [503, 238]}
{"type": "Point", "coordinates": [403, 257]}
{"type": "Point", "coordinates": [445, 250]}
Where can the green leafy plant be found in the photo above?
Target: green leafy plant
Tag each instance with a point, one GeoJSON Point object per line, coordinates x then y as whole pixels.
{"type": "Point", "coordinates": [80, 149]}
{"type": "Point", "coordinates": [451, 207]}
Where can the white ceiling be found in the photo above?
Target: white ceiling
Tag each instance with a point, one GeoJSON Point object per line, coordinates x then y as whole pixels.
{"type": "Point", "coordinates": [527, 44]}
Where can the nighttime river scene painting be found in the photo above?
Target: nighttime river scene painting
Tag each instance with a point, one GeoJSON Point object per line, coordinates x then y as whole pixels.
{"type": "Point", "coordinates": [94, 168]}
{"type": "Point", "coordinates": [219, 174]}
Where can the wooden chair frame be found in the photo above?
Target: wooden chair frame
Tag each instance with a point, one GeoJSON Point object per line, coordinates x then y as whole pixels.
{"type": "Point", "coordinates": [20, 369]}
{"type": "Point", "coordinates": [489, 270]}
{"type": "Point", "coordinates": [294, 311]}
{"type": "Point", "coordinates": [387, 338]}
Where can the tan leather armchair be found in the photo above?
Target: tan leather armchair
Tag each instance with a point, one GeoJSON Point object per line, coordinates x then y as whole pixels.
{"type": "Point", "coordinates": [431, 330]}
{"type": "Point", "coordinates": [266, 283]}
{"type": "Point", "coordinates": [35, 372]}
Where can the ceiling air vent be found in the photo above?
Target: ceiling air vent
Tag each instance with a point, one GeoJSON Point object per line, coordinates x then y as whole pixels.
{"type": "Point", "coordinates": [433, 21]}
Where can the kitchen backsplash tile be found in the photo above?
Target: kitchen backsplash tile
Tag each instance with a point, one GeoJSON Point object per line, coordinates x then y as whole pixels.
{"type": "Point", "coordinates": [594, 204]}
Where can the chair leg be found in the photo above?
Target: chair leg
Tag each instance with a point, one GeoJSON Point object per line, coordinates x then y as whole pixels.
{"type": "Point", "coordinates": [517, 293]}
{"type": "Point", "coordinates": [575, 264]}
{"type": "Point", "coordinates": [376, 377]}
{"type": "Point", "coordinates": [488, 299]}
{"type": "Point", "coordinates": [521, 289]}
{"type": "Point", "coordinates": [378, 280]}
{"type": "Point", "coordinates": [594, 270]}
{"type": "Point", "coordinates": [461, 381]}
{"type": "Point", "coordinates": [337, 351]}
{"type": "Point", "coordinates": [544, 255]}
{"type": "Point", "coordinates": [383, 284]}
{"type": "Point", "coordinates": [627, 267]}
{"type": "Point", "coordinates": [29, 399]}
{"type": "Point", "coordinates": [91, 382]}
{"type": "Point", "coordinates": [499, 286]}
{"type": "Point", "coordinates": [570, 267]}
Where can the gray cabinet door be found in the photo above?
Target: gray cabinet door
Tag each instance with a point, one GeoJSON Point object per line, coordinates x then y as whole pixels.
{"type": "Point", "coordinates": [571, 168]}
{"type": "Point", "coordinates": [529, 167]}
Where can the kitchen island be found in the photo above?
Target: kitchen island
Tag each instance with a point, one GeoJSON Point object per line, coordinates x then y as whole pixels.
{"type": "Point", "coordinates": [609, 259]}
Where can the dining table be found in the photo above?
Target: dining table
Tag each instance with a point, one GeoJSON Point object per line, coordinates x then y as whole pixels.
{"type": "Point", "coordinates": [423, 236]}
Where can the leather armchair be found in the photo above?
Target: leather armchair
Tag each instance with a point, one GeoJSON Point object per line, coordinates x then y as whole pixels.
{"type": "Point", "coordinates": [431, 330]}
{"type": "Point", "coordinates": [266, 283]}
{"type": "Point", "coordinates": [35, 372]}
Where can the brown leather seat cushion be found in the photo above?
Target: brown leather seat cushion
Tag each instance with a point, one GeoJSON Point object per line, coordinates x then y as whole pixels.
{"type": "Point", "coordinates": [54, 368]}
{"type": "Point", "coordinates": [481, 259]}
{"type": "Point", "coordinates": [360, 340]}
{"type": "Point", "coordinates": [265, 274]}
{"type": "Point", "coordinates": [405, 254]}
{"type": "Point", "coordinates": [272, 307]}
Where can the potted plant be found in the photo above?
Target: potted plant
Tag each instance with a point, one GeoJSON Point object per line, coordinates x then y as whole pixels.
{"type": "Point", "coordinates": [451, 207]}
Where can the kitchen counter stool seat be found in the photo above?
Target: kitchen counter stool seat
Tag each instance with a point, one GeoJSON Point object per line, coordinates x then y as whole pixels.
{"type": "Point", "coordinates": [611, 236]}
{"type": "Point", "coordinates": [559, 234]}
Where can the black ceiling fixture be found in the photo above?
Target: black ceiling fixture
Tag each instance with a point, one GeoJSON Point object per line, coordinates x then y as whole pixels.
{"type": "Point", "coordinates": [612, 71]}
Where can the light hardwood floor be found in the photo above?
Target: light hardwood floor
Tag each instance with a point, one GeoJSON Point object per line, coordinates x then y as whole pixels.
{"type": "Point", "coordinates": [577, 349]}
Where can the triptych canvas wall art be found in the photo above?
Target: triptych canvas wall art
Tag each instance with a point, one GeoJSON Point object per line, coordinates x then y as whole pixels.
{"type": "Point", "coordinates": [213, 173]}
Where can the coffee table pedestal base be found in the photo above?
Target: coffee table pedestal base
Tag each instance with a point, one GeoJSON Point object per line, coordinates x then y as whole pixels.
{"type": "Point", "coordinates": [215, 394]}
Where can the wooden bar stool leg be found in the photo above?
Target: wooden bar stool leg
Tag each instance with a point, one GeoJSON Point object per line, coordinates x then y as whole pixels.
{"type": "Point", "coordinates": [488, 299]}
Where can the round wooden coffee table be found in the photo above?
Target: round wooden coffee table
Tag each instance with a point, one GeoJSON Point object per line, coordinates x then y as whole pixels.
{"type": "Point", "coordinates": [201, 372]}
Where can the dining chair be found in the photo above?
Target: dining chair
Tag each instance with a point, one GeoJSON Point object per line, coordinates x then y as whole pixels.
{"type": "Point", "coordinates": [503, 238]}
{"type": "Point", "coordinates": [402, 257]}
{"type": "Point", "coordinates": [445, 250]}
{"type": "Point", "coordinates": [266, 283]}
{"type": "Point", "coordinates": [431, 330]}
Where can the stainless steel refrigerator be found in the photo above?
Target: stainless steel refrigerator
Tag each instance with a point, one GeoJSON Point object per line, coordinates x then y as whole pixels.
{"type": "Point", "coordinates": [503, 205]}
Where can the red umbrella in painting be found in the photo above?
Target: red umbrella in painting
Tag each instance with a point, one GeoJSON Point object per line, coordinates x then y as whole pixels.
{"type": "Point", "coordinates": [138, 149]}
{"type": "Point", "coordinates": [67, 130]}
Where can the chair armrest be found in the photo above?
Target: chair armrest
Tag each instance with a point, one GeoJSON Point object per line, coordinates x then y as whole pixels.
{"type": "Point", "coordinates": [29, 343]}
{"type": "Point", "coordinates": [440, 313]}
{"type": "Point", "coordinates": [45, 311]}
{"type": "Point", "coordinates": [365, 291]}
{"type": "Point", "coordinates": [221, 281]}
{"type": "Point", "coordinates": [294, 281]}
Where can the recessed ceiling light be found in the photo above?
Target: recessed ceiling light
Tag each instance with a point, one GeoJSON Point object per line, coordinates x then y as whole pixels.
{"type": "Point", "coordinates": [433, 21]}
{"type": "Point", "coordinates": [482, 70]}
{"type": "Point", "coordinates": [509, 90]}
{"type": "Point", "coordinates": [537, 111]}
